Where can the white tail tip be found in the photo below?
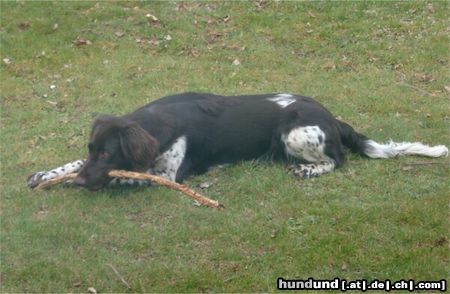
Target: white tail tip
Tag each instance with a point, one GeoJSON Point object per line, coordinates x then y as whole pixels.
{"type": "Point", "coordinates": [392, 149]}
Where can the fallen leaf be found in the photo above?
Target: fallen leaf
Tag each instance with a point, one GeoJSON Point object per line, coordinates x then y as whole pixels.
{"type": "Point", "coordinates": [151, 17]}
{"type": "Point", "coordinates": [153, 41]}
{"type": "Point", "coordinates": [6, 60]}
{"type": "Point", "coordinates": [181, 6]}
{"type": "Point", "coordinates": [191, 51]}
{"type": "Point", "coordinates": [260, 4]}
{"type": "Point", "coordinates": [398, 66]}
{"type": "Point", "coordinates": [119, 34]}
{"type": "Point", "coordinates": [213, 37]}
{"type": "Point", "coordinates": [423, 77]}
{"type": "Point", "coordinates": [273, 233]}
{"type": "Point", "coordinates": [447, 88]}
{"type": "Point", "coordinates": [344, 266]}
{"type": "Point", "coordinates": [440, 242]}
{"type": "Point", "coordinates": [435, 93]}
{"type": "Point", "coordinates": [346, 62]}
{"type": "Point", "coordinates": [430, 8]}
{"type": "Point", "coordinates": [24, 25]}
{"type": "Point", "coordinates": [77, 284]}
{"type": "Point", "coordinates": [42, 213]}
{"type": "Point", "coordinates": [168, 38]}
{"type": "Point", "coordinates": [52, 87]}
{"type": "Point", "coordinates": [92, 290]}
{"type": "Point", "coordinates": [152, 20]}
{"type": "Point", "coordinates": [81, 42]}
{"type": "Point", "coordinates": [205, 185]}
{"type": "Point", "coordinates": [236, 62]}
{"type": "Point", "coordinates": [211, 21]}
{"type": "Point", "coordinates": [55, 26]}
{"type": "Point", "coordinates": [329, 66]}
{"type": "Point", "coordinates": [210, 7]}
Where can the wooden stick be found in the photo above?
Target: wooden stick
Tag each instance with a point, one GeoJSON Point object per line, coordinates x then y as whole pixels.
{"type": "Point", "coordinates": [119, 276]}
{"type": "Point", "coordinates": [169, 184]}
{"type": "Point", "coordinates": [142, 176]}
{"type": "Point", "coordinates": [55, 181]}
{"type": "Point", "coordinates": [415, 88]}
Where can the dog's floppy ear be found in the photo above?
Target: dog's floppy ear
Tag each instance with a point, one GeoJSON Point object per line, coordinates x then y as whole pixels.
{"type": "Point", "coordinates": [138, 146]}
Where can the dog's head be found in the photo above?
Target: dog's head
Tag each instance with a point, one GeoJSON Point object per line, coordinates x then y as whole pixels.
{"type": "Point", "coordinates": [116, 143]}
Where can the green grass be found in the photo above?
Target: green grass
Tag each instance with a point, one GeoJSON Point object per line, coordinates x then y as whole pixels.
{"type": "Point", "coordinates": [381, 66]}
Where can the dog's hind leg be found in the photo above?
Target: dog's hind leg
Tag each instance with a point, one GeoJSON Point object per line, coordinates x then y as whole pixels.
{"type": "Point", "coordinates": [307, 144]}
{"type": "Point", "coordinates": [42, 176]}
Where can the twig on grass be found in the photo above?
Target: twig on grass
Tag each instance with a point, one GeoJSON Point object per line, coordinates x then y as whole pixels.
{"type": "Point", "coordinates": [143, 176]}
{"type": "Point", "coordinates": [415, 88]}
{"type": "Point", "coordinates": [119, 276]}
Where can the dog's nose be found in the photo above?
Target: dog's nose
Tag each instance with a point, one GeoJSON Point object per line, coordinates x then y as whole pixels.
{"type": "Point", "coordinates": [79, 181]}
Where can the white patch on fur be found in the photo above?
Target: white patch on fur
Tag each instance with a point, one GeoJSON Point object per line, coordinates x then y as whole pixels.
{"type": "Point", "coordinates": [392, 149]}
{"type": "Point", "coordinates": [282, 100]}
{"type": "Point", "coordinates": [168, 163]}
{"type": "Point", "coordinates": [308, 143]}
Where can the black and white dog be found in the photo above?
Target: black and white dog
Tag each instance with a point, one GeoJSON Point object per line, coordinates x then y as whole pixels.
{"type": "Point", "coordinates": [188, 133]}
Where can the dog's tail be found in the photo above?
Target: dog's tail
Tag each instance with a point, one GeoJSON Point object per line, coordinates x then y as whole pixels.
{"type": "Point", "coordinates": [360, 144]}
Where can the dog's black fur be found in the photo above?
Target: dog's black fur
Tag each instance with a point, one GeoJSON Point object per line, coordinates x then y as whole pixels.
{"type": "Point", "coordinates": [218, 130]}
{"type": "Point", "coordinates": [188, 133]}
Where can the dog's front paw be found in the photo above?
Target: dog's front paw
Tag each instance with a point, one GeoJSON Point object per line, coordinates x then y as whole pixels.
{"type": "Point", "coordinates": [35, 179]}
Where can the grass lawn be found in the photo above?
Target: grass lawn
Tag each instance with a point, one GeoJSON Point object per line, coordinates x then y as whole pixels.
{"type": "Point", "coordinates": [380, 66]}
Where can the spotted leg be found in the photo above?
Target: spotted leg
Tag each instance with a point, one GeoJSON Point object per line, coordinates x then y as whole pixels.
{"type": "Point", "coordinates": [307, 143]}
{"type": "Point", "coordinates": [42, 176]}
{"type": "Point", "coordinates": [74, 167]}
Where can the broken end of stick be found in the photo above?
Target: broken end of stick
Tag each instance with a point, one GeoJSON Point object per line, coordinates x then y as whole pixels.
{"type": "Point", "coordinates": [54, 181]}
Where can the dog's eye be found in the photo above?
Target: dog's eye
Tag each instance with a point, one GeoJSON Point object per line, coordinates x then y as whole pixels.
{"type": "Point", "coordinates": [103, 155]}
